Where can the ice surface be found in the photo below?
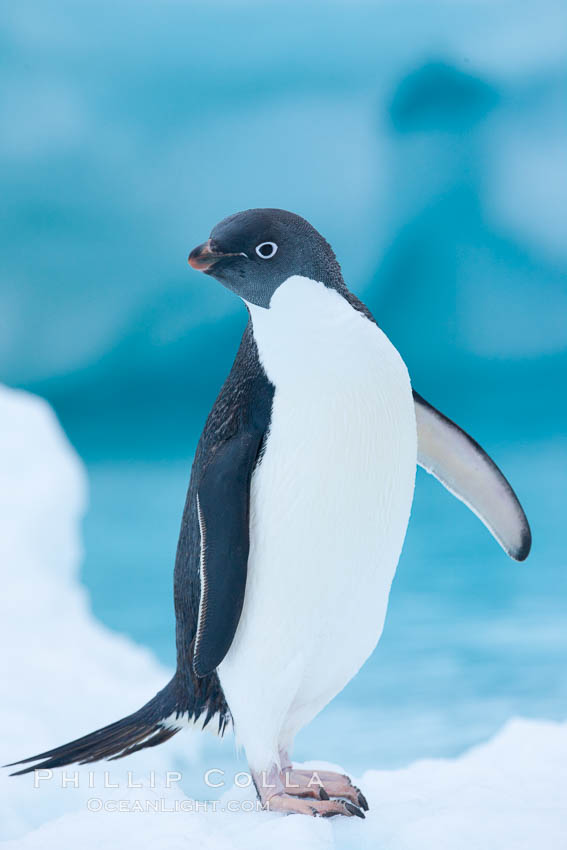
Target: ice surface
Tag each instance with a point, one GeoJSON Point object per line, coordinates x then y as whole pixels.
{"type": "Point", "coordinates": [64, 674]}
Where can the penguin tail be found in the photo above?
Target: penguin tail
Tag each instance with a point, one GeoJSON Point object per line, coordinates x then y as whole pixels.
{"type": "Point", "coordinates": [154, 723]}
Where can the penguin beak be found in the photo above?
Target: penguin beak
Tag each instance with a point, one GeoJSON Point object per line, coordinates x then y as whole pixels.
{"type": "Point", "coordinates": [204, 256]}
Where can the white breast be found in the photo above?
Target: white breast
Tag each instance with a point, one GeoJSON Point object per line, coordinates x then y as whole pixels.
{"type": "Point", "coordinates": [330, 502]}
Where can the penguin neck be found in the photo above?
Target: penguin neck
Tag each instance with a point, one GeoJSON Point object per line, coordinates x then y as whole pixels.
{"type": "Point", "coordinates": [308, 329]}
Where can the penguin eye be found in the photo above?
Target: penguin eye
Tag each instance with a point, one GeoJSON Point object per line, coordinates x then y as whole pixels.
{"type": "Point", "coordinates": [266, 250]}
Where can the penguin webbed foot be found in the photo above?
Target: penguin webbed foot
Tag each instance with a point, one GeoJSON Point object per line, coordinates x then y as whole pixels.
{"type": "Point", "coordinates": [288, 804]}
{"type": "Point", "coordinates": [309, 792]}
{"type": "Point", "coordinates": [322, 784]}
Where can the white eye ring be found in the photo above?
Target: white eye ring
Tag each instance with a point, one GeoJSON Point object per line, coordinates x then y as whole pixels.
{"type": "Point", "coordinates": [269, 246]}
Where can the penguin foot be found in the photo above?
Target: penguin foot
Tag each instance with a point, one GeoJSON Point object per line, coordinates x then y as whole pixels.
{"type": "Point", "coordinates": [305, 792]}
{"type": "Point", "coordinates": [288, 804]}
{"type": "Point", "coordinates": [321, 785]}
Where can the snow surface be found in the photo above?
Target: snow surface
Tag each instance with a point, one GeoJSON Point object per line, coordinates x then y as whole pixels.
{"type": "Point", "coordinates": [64, 674]}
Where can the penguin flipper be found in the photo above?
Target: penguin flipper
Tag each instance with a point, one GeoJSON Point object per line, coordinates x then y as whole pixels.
{"type": "Point", "coordinates": [223, 507]}
{"type": "Point", "coordinates": [464, 468]}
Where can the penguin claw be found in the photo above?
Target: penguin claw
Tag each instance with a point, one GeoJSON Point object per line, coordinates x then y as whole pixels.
{"type": "Point", "coordinates": [354, 810]}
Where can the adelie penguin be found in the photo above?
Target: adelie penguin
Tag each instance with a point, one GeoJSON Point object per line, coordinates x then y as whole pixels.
{"type": "Point", "coordinates": [297, 509]}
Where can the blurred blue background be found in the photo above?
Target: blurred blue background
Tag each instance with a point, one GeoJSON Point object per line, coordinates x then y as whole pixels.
{"type": "Point", "coordinates": [427, 142]}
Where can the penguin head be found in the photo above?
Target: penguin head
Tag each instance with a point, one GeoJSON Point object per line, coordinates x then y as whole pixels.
{"type": "Point", "coordinates": [254, 252]}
